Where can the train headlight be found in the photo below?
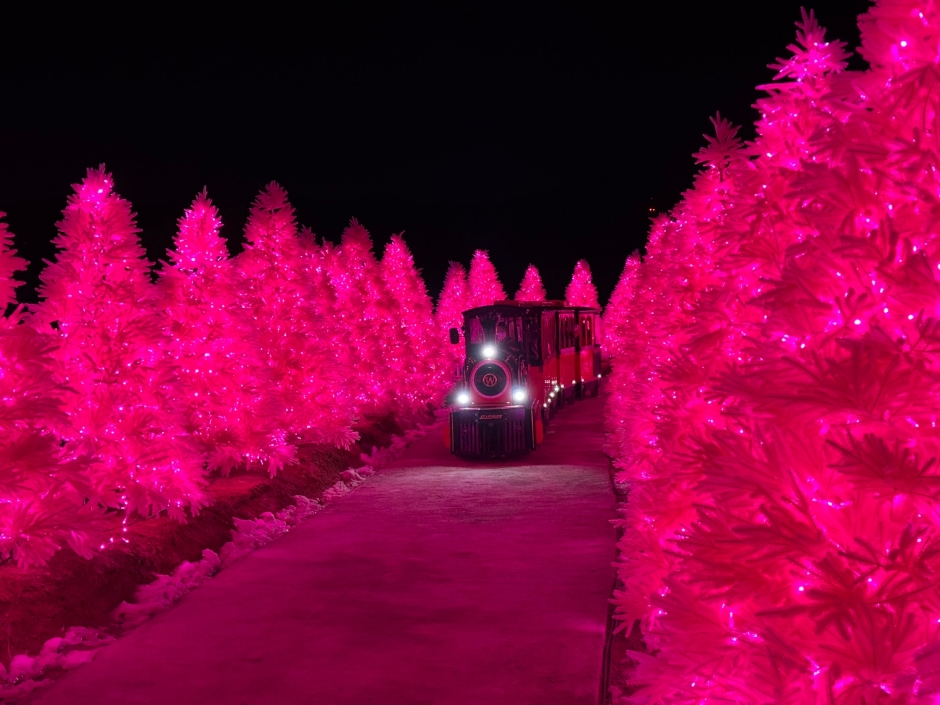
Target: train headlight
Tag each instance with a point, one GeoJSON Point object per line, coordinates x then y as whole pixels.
{"type": "Point", "coordinates": [463, 398]}
{"type": "Point", "coordinates": [519, 395]}
{"type": "Point", "coordinates": [489, 352]}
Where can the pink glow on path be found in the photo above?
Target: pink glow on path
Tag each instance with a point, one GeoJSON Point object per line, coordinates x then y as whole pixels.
{"type": "Point", "coordinates": [436, 581]}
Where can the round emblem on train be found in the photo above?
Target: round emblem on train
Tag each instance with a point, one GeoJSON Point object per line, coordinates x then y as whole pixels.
{"type": "Point", "coordinates": [490, 379]}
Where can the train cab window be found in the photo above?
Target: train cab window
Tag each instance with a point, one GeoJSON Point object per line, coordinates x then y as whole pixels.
{"type": "Point", "coordinates": [491, 328]}
{"type": "Point", "coordinates": [475, 334]}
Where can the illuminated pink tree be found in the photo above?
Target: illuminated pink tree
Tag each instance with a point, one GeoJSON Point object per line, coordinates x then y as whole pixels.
{"type": "Point", "coordinates": [274, 296]}
{"type": "Point", "coordinates": [317, 261]}
{"type": "Point", "coordinates": [112, 353]}
{"type": "Point", "coordinates": [483, 281]}
{"type": "Point", "coordinates": [581, 291]}
{"type": "Point", "coordinates": [617, 315]}
{"type": "Point", "coordinates": [415, 313]}
{"type": "Point", "coordinates": [531, 288]}
{"type": "Point", "coordinates": [223, 385]}
{"type": "Point", "coordinates": [42, 484]}
{"type": "Point", "coordinates": [782, 546]}
{"type": "Point", "coordinates": [451, 304]}
{"type": "Point", "coordinates": [381, 352]}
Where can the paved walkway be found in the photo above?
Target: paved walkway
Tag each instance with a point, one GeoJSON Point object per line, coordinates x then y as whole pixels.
{"type": "Point", "coordinates": [437, 581]}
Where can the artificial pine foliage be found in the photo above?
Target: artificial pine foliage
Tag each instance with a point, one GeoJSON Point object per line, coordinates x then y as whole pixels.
{"type": "Point", "coordinates": [274, 297]}
{"type": "Point", "coordinates": [224, 389]}
{"type": "Point", "coordinates": [617, 315]}
{"type": "Point", "coordinates": [781, 532]}
{"type": "Point", "coordinates": [315, 264]}
{"type": "Point", "coordinates": [42, 484]}
{"type": "Point", "coordinates": [581, 290]}
{"type": "Point", "coordinates": [483, 282]}
{"type": "Point", "coordinates": [414, 312]}
{"type": "Point", "coordinates": [383, 362]}
{"type": "Point", "coordinates": [451, 304]}
{"type": "Point", "coordinates": [531, 288]}
{"type": "Point", "coordinates": [112, 355]}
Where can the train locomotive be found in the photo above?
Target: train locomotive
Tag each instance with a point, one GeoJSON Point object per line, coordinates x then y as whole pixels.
{"type": "Point", "coordinates": [524, 361]}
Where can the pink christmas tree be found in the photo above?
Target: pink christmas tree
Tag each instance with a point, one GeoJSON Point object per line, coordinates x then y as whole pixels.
{"type": "Point", "coordinates": [531, 288]}
{"type": "Point", "coordinates": [618, 314]}
{"type": "Point", "coordinates": [112, 354]}
{"type": "Point", "coordinates": [274, 297]}
{"type": "Point", "coordinates": [483, 281]}
{"type": "Point", "coordinates": [223, 385]}
{"type": "Point", "coordinates": [42, 484]}
{"type": "Point", "coordinates": [415, 313]}
{"type": "Point", "coordinates": [581, 291]}
{"type": "Point", "coordinates": [780, 544]}
{"type": "Point", "coordinates": [318, 260]}
{"type": "Point", "coordinates": [382, 359]}
{"type": "Point", "coordinates": [451, 304]}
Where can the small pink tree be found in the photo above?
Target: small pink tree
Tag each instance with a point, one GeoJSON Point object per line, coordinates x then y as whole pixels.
{"type": "Point", "coordinates": [531, 288]}
{"type": "Point", "coordinates": [273, 295]}
{"type": "Point", "coordinates": [617, 315]}
{"type": "Point", "coordinates": [581, 291]}
{"type": "Point", "coordinates": [42, 485]}
{"type": "Point", "coordinates": [406, 288]}
{"type": "Point", "coordinates": [382, 357]}
{"type": "Point", "coordinates": [451, 304]}
{"type": "Point", "coordinates": [319, 262]}
{"type": "Point", "coordinates": [225, 389]}
{"type": "Point", "coordinates": [485, 288]}
{"type": "Point", "coordinates": [112, 352]}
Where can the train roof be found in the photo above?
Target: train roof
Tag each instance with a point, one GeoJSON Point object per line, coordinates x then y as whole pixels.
{"type": "Point", "coordinates": [515, 306]}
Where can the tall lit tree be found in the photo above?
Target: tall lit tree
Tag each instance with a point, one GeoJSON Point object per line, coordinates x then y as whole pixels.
{"type": "Point", "coordinates": [365, 306]}
{"type": "Point", "coordinates": [531, 288]}
{"type": "Point", "coordinates": [792, 556]}
{"type": "Point", "coordinates": [415, 312]}
{"type": "Point", "coordinates": [581, 291]}
{"type": "Point", "coordinates": [112, 352]}
{"type": "Point", "coordinates": [223, 385]}
{"type": "Point", "coordinates": [483, 282]}
{"type": "Point", "coordinates": [617, 315]}
{"type": "Point", "coordinates": [42, 484]}
{"type": "Point", "coordinates": [273, 295]}
{"type": "Point", "coordinates": [451, 304]}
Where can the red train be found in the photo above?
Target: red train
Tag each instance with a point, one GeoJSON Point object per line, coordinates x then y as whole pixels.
{"type": "Point", "coordinates": [524, 360]}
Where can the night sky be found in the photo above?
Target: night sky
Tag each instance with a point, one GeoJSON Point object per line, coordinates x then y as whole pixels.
{"type": "Point", "coordinates": [544, 137]}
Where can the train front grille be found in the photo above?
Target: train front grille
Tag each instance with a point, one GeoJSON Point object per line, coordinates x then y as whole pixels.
{"type": "Point", "coordinates": [489, 433]}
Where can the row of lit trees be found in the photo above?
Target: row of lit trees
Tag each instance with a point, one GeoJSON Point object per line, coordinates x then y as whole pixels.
{"type": "Point", "coordinates": [121, 393]}
{"type": "Point", "coordinates": [774, 406]}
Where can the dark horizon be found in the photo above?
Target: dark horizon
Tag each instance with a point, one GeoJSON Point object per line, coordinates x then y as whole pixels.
{"type": "Point", "coordinates": [544, 138]}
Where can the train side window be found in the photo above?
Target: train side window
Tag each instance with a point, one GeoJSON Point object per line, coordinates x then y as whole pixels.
{"type": "Point", "coordinates": [533, 339]}
{"type": "Point", "coordinates": [566, 332]}
{"type": "Point", "coordinates": [548, 336]}
{"type": "Point", "coordinates": [587, 337]}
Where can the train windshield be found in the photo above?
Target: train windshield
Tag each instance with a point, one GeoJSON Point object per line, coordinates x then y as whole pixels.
{"type": "Point", "coordinates": [517, 335]}
{"type": "Point", "coordinates": [494, 328]}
